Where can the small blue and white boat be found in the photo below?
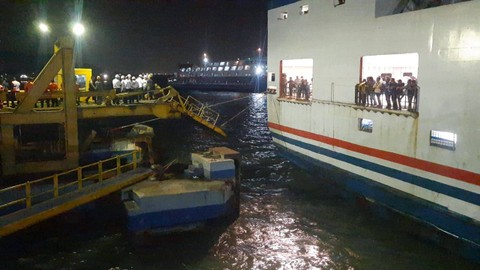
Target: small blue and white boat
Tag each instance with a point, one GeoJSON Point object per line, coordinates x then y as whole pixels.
{"type": "Point", "coordinates": [208, 190]}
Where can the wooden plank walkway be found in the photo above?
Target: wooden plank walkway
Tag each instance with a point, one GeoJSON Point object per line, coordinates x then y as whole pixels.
{"type": "Point", "coordinates": [29, 216]}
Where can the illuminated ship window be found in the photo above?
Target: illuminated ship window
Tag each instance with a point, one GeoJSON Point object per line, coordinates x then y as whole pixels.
{"type": "Point", "coordinates": [227, 68]}
{"type": "Point", "coordinates": [443, 139]}
{"type": "Point", "coordinates": [209, 68]}
{"type": "Point", "coordinates": [189, 69]}
{"type": "Point", "coordinates": [283, 16]}
{"type": "Point", "coordinates": [220, 68]}
{"type": "Point", "coordinates": [365, 125]}
{"type": "Point", "coordinates": [182, 69]}
{"type": "Point", "coordinates": [247, 67]}
{"type": "Point", "coordinates": [197, 69]}
{"type": "Point", "coordinates": [222, 63]}
{"type": "Point", "coordinates": [240, 68]}
{"type": "Point", "coordinates": [304, 9]}
{"type": "Point", "coordinates": [202, 69]}
{"type": "Point", "coordinates": [214, 68]}
{"type": "Point", "coordinates": [234, 68]}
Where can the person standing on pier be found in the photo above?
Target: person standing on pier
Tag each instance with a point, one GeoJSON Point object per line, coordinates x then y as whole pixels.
{"type": "Point", "coordinates": [92, 89]}
{"type": "Point", "coordinates": [128, 89]}
{"type": "Point", "coordinates": [99, 88]}
{"type": "Point", "coordinates": [117, 85]}
{"type": "Point", "coordinates": [53, 89]}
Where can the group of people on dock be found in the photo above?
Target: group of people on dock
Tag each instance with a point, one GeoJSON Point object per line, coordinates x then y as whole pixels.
{"type": "Point", "coordinates": [10, 89]}
{"type": "Point", "coordinates": [375, 93]}
{"type": "Point", "coordinates": [124, 84]}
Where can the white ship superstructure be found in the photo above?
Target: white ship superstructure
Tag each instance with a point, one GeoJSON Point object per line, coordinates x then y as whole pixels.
{"type": "Point", "coordinates": [423, 161]}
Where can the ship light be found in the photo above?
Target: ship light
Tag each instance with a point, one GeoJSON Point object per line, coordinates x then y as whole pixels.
{"type": "Point", "coordinates": [258, 70]}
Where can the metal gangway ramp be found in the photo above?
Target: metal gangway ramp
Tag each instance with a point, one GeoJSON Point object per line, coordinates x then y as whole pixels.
{"type": "Point", "coordinates": [26, 204]}
{"type": "Point", "coordinates": [191, 107]}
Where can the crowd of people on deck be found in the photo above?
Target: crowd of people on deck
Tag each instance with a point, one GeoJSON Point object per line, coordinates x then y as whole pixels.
{"type": "Point", "coordinates": [298, 88]}
{"type": "Point", "coordinates": [10, 87]}
{"type": "Point", "coordinates": [376, 92]}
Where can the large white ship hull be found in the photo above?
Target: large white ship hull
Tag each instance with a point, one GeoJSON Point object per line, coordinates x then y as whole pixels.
{"type": "Point", "coordinates": [394, 164]}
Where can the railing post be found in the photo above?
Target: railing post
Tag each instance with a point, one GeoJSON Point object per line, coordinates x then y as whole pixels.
{"type": "Point", "coordinates": [79, 178]}
{"type": "Point", "coordinates": [28, 195]}
{"type": "Point", "coordinates": [100, 171]}
{"type": "Point", "coordinates": [119, 169]}
{"type": "Point", "coordinates": [134, 159]}
{"type": "Point", "coordinates": [55, 185]}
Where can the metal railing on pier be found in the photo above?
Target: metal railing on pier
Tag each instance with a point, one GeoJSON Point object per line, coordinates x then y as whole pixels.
{"type": "Point", "coordinates": [27, 194]}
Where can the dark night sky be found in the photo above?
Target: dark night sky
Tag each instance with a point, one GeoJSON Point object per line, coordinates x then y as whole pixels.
{"type": "Point", "coordinates": [132, 36]}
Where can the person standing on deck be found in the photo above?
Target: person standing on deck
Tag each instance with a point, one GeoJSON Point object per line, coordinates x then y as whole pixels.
{"type": "Point", "coordinates": [377, 88]}
{"type": "Point", "coordinates": [400, 88]}
{"type": "Point", "coordinates": [291, 86]}
{"type": "Point", "coordinates": [370, 92]}
{"type": "Point", "coordinates": [393, 89]}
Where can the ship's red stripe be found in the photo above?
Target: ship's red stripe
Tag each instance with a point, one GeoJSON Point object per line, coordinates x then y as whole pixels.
{"type": "Point", "coordinates": [461, 175]}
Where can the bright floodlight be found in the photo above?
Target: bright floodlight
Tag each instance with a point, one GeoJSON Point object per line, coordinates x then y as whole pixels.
{"type": "Point", "coordinates": [78, 29]}
{"type": "Point", "coordinates": [258, 70]}
{"type": "Point", "coordinates": [43, 27]}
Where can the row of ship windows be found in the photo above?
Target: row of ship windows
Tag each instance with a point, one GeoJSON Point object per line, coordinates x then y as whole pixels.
{"type": "Point", "coordinates": [442, 139]}
{"type": "Point", "coordinates": [227, 68]}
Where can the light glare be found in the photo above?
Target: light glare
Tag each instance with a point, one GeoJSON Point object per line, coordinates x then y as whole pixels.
{"type": "Point", "coordinates": [43, 27]}
{"type": "Point", "coordinates": [78, 29]}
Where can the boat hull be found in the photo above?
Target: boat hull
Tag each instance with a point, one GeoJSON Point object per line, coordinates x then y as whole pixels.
{"type": "Point", "coordinates": [444, 227]}
{"type": "Point", "coordinates": [176, 205]}
{"type": "Point", "coordinates": [413, 148]}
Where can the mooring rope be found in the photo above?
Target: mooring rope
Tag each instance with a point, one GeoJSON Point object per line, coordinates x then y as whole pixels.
{"type": "Point", "coordinates": [233, 100]}
{"type": "Point", "coordinates": [251, 105]}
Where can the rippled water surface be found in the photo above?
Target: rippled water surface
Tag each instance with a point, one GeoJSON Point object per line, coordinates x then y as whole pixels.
{"type": "Point", "coordinates": [287, 221]}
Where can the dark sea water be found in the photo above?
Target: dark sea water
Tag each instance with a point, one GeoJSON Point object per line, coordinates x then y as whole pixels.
{"type": "Point", "coordinates": [288, 219]}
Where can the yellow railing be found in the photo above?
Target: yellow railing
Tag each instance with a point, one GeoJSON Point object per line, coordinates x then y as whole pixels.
{"type": "Point", "coordinates": [198, 108]}
{"type": "Point", "coordinates": [36, 191]}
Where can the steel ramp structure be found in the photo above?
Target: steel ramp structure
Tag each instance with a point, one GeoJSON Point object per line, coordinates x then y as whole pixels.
{"type": "Point", "coordinates": [191, 107]}
{"type": "Point", "coordinates": [78, 192]}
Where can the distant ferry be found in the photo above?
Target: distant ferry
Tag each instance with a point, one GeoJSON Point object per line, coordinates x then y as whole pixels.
{"type": "Point", "coordinates": [417, 153]}
{"type": "Point", "coordinates": [247, 75]}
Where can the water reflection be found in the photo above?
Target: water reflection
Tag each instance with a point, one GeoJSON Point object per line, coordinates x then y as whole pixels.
{"type": "Point", "coordinates": [288, 220]}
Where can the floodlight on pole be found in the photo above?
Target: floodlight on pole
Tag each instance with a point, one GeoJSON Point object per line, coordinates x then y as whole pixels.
{"type": "Point", "coordinates": [44, 28]}
{"type": "Point", "coordinates": [78, 29]}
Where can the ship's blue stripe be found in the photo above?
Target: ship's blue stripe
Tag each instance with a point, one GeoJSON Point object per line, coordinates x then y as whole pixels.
{"type": "Point", "coordinates": [428, 212]}
{"type": "Point", "coordinates": [454, 192]}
